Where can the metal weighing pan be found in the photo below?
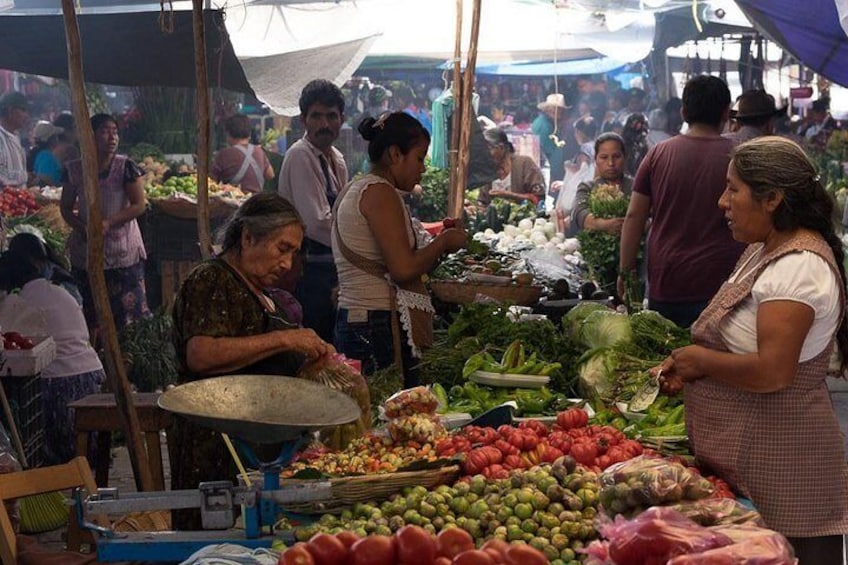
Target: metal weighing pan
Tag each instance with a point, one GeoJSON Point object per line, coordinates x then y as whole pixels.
{"type": "Point", "coordinates": [260, 408]}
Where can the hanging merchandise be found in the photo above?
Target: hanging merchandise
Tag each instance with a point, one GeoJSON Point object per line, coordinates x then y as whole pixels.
{"type": "Point", "coordinates": [722, 64]}
{"type": "Point", "coordinates": [697, 67]}
{"type": "Point", "coordinates": [709, 58]}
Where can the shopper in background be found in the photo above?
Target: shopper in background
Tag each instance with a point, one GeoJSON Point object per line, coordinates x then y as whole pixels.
{"type": "Point", "coordinates": [47, 155]}
{"type": "Point", "coordinates": [691, 250]}
{"type": "Point", "coordinates": [758, 411]}
{"type": "Point", "coordinates": [518, 176]}
{"type": "Point", "coordinates": [551, 135]}
{"type": "Point", "coordinates": [122, 202]}
{"type": "Point", "coordinates": [610, 157]}
{"type": "Point", "coordinates": [14, 116]}
{"type": "Point", "coordinates": [241, 163]}
{"type": "Point", "coordinates": [385, 314]}
{"type": "Point", "coordinates": [42, 308]}
{"type": "Point", "coordinates": [312, 175]}
{"type": "Point", "coordinates": [755, 115]}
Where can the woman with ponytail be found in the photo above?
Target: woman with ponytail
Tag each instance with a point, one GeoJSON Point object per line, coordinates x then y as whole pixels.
{"type": "Point", "coordinates": [758, 411]}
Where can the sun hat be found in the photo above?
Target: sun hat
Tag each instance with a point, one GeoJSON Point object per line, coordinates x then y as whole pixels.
{"type": "Point", "coordinates": [553, 101]}
{"type": "Point", "coordinates": [378, 94]}
{"type": "Point", "coordinates": [44, 130]}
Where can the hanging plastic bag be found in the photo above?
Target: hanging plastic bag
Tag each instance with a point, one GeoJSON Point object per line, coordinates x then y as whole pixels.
{"type": "Point", "coordinates": [334, 372]}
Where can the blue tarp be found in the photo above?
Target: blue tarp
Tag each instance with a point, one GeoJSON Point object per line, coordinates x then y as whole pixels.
{"type": "Point", "coordinates": [809, 30]}
{"type": "Point", "coordinates": [549, 68]}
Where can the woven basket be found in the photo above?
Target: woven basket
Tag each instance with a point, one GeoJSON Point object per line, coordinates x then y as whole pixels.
{"type": "Point", "coordinates": [457, 292]}
{"type": "Point", "coordinates": [347, 491]}
{"type": "Point", "coordinates": [186, 208]}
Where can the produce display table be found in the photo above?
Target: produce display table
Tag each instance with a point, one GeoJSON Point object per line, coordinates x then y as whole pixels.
{"type": "Point", "coordinates": [99, 413]}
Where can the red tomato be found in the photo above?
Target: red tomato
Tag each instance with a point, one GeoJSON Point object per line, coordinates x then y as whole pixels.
{"type": "Point", "coordinates": [348, 538]}
{"type": "Point", "coordinates": [473, 557]}
{"type": "Point", "coordinates": [415, 546]}
{"type": "Point", "coordinates": [449, 223]}
{"type": "Point", "coordinates": [523, 554]}
{"type": "Point", "coordinates": [298, 554]}
{"type": "Point", "coordinates": [327, 549]}
{"type": "Point", "coordinates": [442, 561]}
{"type": "Point", "coordinates": [373, 550]}
{"type": "Point", "coordinates": [453, 541]}
{"type": "Point", "coordinates": [496, 556]}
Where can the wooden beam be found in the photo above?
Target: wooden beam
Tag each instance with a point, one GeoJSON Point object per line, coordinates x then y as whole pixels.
{"type": "Point", "coordinates": [455, 193]}
{"type": "Point", "coordinates": [203, 121]}
{"type": "Point", "coordinates": [94, 232]}
{"type": "Point", "coordinates": [464, 152]}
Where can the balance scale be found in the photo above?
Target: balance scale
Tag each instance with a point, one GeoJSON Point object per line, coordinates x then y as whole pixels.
{"type": "Point", "coordinates": [250, 408]}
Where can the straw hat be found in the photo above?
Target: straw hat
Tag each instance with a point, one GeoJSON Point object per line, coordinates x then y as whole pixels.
{"type": "Point", "coordinates": [553, 101]}
{"type": "Point", "coordinates": [45, 130]}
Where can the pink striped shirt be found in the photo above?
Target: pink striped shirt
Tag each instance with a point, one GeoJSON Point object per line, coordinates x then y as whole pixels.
{"type": "Point", "coordinates": [122, 245]}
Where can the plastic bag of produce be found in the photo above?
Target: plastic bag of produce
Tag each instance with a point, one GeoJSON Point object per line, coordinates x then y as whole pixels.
{"type": "Point", "coordinates": [417, 427]}
{"type": "Point", "coordinates": [719, 511]}
{"type": "Point", "coordinates": [411, 401]}
{"type": "Point", "coordinates": [764, 548]}
{"type": "Point", "coordinates": [9, 464]}
{"type": "Point", "coordinates": [647, 481]}
{"type": "Point", "coordinates": [333, 372]}
{"type": "Point", "coordinates": [656, 536]}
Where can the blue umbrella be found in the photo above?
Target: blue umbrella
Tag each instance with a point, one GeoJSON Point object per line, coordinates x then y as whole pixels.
{"type": "Point", "coordinates": [810, 31]}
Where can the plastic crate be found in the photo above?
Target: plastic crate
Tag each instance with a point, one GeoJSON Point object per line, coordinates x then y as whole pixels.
{"type": "Point", "coordinates": [24, 395]}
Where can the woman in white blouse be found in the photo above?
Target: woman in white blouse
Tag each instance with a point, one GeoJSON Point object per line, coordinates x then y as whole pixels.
{"type": "Point", "coordinates": [758, 411]}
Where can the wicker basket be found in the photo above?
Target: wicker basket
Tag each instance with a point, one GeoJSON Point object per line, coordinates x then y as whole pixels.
{"type": "Point", "coordinates": [186, 208]}
{"type": "Point", "coordinates": [347, 491]}
{"type": "Point", "coordinates": [457, 292]}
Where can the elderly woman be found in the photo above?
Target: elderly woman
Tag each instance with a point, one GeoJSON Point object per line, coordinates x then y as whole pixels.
{"type": "Point", "coordinates": [519, 178]}
{"type": "Point", "coordinates": [610, 157]}
{"type": "Point", "coordinates": [385, 314]}
{"type": "Point", "coordinates": [122, 201]}
{"type": "Point", "coordinates": [758, 411]}
{"type": "Point", "coordinates": [225, 322]}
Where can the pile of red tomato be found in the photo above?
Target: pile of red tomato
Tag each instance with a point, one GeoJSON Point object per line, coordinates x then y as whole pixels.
{"type": "Point", "coordinates": [494, 453]}
{"type": "Point", "coordinates": [410, 545]}
{"type": "Point", "coordinates": [17, 202]}
{"type": "Point", "coordinates": [14, 340]}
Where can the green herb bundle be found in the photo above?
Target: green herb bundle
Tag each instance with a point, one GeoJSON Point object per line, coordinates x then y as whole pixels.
{"type": "Point", "coordinates": [600, 249]}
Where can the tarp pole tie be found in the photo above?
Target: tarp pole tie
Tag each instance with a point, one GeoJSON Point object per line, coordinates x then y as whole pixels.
{"type": "Point", "coordinates": [166, 25]}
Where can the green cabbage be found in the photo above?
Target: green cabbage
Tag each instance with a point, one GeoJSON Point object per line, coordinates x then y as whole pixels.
{"type": "Point", "coordinates": [573, 319]}
{"type": "Point", "coordinates": [605, 328]}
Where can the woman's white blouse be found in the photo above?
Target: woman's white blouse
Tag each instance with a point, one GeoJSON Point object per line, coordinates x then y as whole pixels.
{"type": "Point", "coordinates": [800, 277]}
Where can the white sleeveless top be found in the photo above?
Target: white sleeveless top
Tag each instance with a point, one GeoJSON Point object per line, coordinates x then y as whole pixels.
{"type": "Point", "coordinates": [358, 289]}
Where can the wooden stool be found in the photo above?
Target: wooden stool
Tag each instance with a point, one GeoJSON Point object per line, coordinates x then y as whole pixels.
{"type": "Point", "coordinates": [99, 413]}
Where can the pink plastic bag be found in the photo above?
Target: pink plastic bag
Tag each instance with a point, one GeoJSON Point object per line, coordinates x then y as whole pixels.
{"type": "Point", "coordinates": [657, 535]}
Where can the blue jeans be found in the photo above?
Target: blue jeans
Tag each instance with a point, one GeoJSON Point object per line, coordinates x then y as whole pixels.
{"type": "Point", "coordinates": [370, 341]}
{"type": "Point", "coordinates": [315, 293]}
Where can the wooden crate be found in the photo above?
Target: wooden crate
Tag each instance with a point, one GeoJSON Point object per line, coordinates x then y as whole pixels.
{"type": "Point", "coordinates": [173, 273]}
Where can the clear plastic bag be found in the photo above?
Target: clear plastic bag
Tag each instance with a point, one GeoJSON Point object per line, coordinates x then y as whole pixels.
{"type": "Point", "coordinates": [647, 481]}
{"type": "Point", "coordinates": [9, 464]}
{"type": "Point", "coordinates": [718, 512]}
{"type": "Point", "coordinates": [333, 372]}
{"type": "Point", "coordinates": [422, 428]}
{"type": "Point", "coordinates": [411, 401]}
{"type": "Point", "coordinates": [762, 547]}
{"type": "Point", "coordinates": [657, 535]}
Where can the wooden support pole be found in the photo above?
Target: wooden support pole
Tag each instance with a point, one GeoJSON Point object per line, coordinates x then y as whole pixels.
{"type": "Point", "coordinates": [94, 232]}
{"type": "Point", "coordinates": [203, 126]}
{"type": "Point", "coordinates": [464, 153]}
{"type": "Point", "coordinates": [456, 194]}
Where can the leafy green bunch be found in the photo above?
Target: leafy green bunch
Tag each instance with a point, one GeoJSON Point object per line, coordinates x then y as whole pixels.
{"type": "Point", "coordinates": [600, 249]}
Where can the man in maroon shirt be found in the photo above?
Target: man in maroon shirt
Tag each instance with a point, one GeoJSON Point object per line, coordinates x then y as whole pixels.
{"type": "Point", "coordinates": [690, 250]}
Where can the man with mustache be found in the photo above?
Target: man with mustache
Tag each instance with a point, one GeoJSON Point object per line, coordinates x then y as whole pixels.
{"type": "Point", "coordinates": [312, 175]}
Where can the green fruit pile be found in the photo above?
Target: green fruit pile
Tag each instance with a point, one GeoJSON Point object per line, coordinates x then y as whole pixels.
{"type": "Point", "coordinates": [549, 507]}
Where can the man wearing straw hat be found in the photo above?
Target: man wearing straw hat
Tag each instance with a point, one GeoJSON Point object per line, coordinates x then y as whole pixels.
{"type": "Point", "coordinates": [754, 113]}
{"type": "Point", "coordinates": [546, 126]}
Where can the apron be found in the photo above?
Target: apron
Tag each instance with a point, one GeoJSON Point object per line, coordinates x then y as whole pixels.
{"type": "Point", "coordinates": [783, 450]}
